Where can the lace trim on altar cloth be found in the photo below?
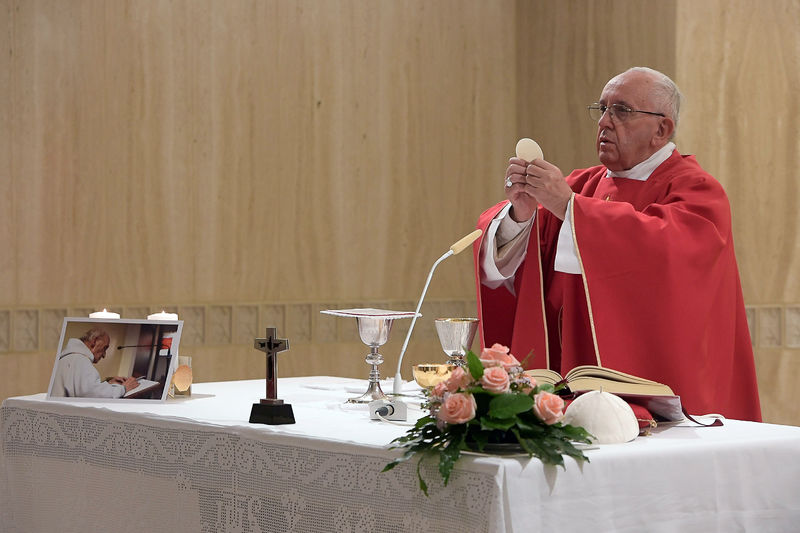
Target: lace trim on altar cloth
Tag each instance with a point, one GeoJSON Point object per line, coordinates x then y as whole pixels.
{"type": "Point", "coordinates": [232, 482]}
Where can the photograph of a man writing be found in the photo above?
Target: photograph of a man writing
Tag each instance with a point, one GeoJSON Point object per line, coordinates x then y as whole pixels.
{"type": "Point", "coordinates": [76, 375]}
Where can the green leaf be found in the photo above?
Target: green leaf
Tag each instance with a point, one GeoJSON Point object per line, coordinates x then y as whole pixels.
{"type": "Point", "coordinates": [475, 440]}
{"type": "Point", "coordinates": [405, 457]}
{"type": "Point", "coordinates": [497, 423]}
{"type": "Point", "coordinates": [572, 451]}
{"type": "Point", "coordinates": [474, 365]}
{"type": "Point", "coordinates": [574, 433]}
{"type": "Point", "coordinates": [424, 421]}
{"type": "Point", "coordinates": [422, 485]}
{"type": "Point", "coordinates": [528, 425]}
{"type": "Point", "coordinates": [545, 449]}
{"type": "Point", "coordinates": [448, 456]}
{"type": "Point", "coordinates": [508, 405]}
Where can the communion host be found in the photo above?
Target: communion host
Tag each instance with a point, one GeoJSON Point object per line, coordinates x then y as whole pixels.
{"type": "Point", "coordinates": [628, 265]}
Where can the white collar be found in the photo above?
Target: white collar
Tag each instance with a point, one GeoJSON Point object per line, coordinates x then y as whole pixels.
{"type": "Point", "coordinates": [643, 170]}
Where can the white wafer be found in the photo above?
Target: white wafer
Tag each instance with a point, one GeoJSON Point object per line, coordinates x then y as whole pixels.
{"type": "Point", "coordinates": [528, 149]}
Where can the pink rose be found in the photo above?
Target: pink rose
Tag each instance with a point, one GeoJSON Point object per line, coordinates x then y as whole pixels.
{"type": "Point", "coordinates": [495, 379]}
{"type": "Point", "coordinates": [548, 407]}
{"type": "Point", "coordinates": [457, 408]}
{"type": "Point", "coordinates": [498, 355]}
{"type": "Point", "coordinates": [458, 379]}
{"type": "Point", "coordinates": [439, 390]}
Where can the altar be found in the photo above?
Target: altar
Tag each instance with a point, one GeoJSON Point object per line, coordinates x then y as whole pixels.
{"type": "Point", "coordinates": [196, 464]}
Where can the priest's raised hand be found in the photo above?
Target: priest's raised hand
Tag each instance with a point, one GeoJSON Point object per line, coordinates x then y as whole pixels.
{"type": "Point", "coordinates": [537, 182]}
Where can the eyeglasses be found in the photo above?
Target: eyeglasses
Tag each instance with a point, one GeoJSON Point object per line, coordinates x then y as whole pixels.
{"type": "Point", "coordinates": [618, 112]}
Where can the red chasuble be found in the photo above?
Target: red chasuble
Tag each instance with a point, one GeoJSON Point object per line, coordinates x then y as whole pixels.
{"type": "Point", "coordinates": [659, 295]}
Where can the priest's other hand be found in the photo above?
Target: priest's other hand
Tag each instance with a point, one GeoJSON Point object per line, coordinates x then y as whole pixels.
{"type": "Point", "coordinates": [548, 186]}
{"type": "Point", "coordinates": [538, 182]}
{"type": "Point", "coordinates": [520, 193]}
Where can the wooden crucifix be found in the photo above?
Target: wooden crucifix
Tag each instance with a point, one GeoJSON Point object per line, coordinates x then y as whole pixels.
{"type": "Point", "coordinates": [271, 410]}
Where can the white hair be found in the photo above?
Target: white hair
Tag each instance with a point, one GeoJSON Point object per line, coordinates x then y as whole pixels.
{"type": "Point", "coordinates": [93, 334]}
{"type": "Point", "coordinates": [666, 92]}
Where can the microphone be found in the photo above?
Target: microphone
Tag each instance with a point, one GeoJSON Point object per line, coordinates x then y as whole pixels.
{"type": "Point", "coordinates": [135, 346]}
{"type": "Point", "coordinates": [456, 248]}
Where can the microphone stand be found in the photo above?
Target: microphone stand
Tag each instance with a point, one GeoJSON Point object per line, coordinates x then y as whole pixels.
{"type": "Point", "coordinates": [458, 247]}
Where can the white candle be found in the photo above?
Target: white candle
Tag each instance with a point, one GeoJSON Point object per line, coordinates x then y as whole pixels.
{"type": "Point", "coordinates": [163, 316]}
{"type": "Point", "coordinates": [103, 314]}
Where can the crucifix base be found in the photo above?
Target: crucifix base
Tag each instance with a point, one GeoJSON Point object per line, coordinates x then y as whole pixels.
{"type": "Point", "coordinates": [271, 412]}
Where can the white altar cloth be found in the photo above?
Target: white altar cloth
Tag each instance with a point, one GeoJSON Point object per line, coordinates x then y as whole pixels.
{"type": "Point", "coordinates": [196, 464]}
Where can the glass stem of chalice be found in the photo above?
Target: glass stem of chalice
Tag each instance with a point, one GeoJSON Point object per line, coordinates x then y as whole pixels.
{"type": "Point", "coordinates": [374, 332]}
{"type": "Point", "coordinates": [456, 336]}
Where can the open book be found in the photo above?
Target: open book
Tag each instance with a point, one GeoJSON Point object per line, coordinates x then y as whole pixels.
{"type": "Point", "coordinates": [590, 377]}
{"type": "Point", "coordinates": [656, 397]}
{"type": "Point", "coordinates": [144, 385]}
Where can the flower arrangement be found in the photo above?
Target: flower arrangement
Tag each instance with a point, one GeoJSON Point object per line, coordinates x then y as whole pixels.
{"type": "Point", "coordinates": [491, 403]}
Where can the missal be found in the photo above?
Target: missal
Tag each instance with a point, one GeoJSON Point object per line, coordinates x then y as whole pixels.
{"type": "Point", "coordinates": [590, 377]}
{"type": "Point", "coordinates": [656, 397]}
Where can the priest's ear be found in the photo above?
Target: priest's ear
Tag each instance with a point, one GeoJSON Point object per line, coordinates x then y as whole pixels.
{"type": "Point", "coordinates": [665, 131]}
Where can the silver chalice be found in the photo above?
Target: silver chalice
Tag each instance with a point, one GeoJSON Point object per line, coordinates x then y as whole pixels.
{"type": "Point", "coordinates": [374, 332]}
{"type": "Point", "coordinates": [374, 326]}
{"type": "Point", "coordinates": [456, 336]}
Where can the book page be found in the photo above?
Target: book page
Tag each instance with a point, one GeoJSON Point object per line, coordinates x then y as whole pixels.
{"type": "Point", "coordinates": [590, 377]}
{"type": "Point", "coordinates": [607, 373]}
{"type": "Point", "coordinates": [544, 375]}
{"type": "Point", "coordinates": [144, 384]}
{"type": "Point", "coordinates": [609, 384]}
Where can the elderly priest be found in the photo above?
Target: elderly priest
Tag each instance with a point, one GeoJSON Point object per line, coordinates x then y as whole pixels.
{"type": "Point", "coordinates": [628, 265]}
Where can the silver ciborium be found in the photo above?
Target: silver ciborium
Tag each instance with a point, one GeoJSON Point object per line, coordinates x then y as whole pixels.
{"type": "Point", "coordinates": [456, 336]}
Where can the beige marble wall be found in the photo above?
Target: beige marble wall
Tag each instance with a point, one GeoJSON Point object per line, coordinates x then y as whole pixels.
{"type": "Point", "coordinates": [248, 163]}
{"type": "Point", "coordinates": [739, 65]}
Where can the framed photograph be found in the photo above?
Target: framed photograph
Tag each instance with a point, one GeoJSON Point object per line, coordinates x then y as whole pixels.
{"type": "Point", "coordinates": [115, 359]}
